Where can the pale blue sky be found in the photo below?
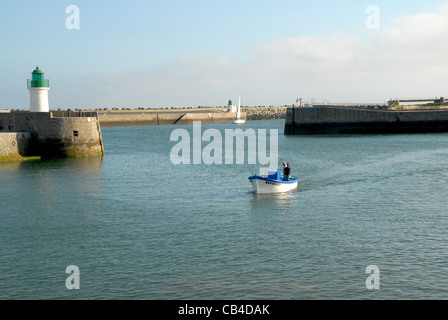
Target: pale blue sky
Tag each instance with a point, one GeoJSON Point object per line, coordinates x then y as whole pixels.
{"type": "Point", "coordinates": [178, 52]}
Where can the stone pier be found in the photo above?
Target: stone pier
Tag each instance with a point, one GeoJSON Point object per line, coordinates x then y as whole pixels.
{"type": "Point", "coordinates": [343, 120]}
{"type": "Point", "coordinates": [50, 135]}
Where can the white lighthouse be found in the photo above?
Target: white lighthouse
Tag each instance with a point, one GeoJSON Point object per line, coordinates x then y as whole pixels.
{"type": "Point", "coordinates": [38, 88]}
{"type": "Point", "coordinates": [231, 107]}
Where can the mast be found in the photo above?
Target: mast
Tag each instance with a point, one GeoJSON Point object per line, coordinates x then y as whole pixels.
{"type": "Point", "coordinates": [239, 108]}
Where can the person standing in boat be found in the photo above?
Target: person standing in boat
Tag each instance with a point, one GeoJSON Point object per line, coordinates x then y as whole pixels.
{"type": "Point", "coordinates": [286, 171]}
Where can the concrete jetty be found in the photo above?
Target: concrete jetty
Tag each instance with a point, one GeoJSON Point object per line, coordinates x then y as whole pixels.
{"type": "Point", "coordinates": [49, 135]}
{"type": "Point", "coordinates": [138, 117]}
{"type": "Point", "coordinates": [346, 120]}
{"type": "Point", "coordinates": [142, 117]}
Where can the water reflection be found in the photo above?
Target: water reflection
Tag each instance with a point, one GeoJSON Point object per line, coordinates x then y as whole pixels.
{"type": "Point", "coordinates": [47, 181]}
{"type": "Point", "coordinates": [260, 201]}
{"type": "Point", "coordinates": [87, 164]}
{"type": "Point", "coordinates": [14, 166]}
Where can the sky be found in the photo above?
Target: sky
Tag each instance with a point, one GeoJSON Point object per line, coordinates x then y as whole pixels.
{"type": "Point", "coordinates": [189, 53]}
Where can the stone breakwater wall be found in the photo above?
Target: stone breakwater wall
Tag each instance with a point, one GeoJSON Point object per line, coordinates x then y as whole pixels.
{"type": "Point", "coordinates": [51, 136]}
{"type": "Point", "coordinates": [347, 120]}
{"type": "Point", "coordinates": [185, 116]}
{"type": "Point", "coordinates": [13, 145]}
{"type": "Point", "coordinates": [264, 113]}
{"type": "Point", "coordinates": [162, 118]}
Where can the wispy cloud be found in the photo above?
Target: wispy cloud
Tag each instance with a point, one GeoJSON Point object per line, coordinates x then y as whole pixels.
{"type": "Point", "coordinates": [407, 58]}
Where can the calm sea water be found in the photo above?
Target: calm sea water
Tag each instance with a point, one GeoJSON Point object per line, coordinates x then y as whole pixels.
{"type": "Point", "coordinates": [139, 227]}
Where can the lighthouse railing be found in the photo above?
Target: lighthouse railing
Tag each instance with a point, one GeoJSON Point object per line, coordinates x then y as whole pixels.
{"type": "Point", "coordinates": [38, 83]}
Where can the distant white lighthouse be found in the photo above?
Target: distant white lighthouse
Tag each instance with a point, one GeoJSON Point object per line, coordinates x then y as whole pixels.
{"type": "Point", "coordinates": [231, 107]}
{"type": "Point", "coordinates": [38, 88]}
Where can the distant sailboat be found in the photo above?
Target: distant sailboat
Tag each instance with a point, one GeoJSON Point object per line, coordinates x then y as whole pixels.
{"type": "Point", "coordinates": [238, 114]}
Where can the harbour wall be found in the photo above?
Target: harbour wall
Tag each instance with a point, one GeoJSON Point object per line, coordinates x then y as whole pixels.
{"type": "Point", "coordinates": [342, 120]}
{"type": "Point", "coordinates": [163, 118]}
{"type": "Point", "coordinates": [185, 116]}
{"type": "Point", "coordinates": [14, 145]}
{"type": "Point", "coordinates": [52, 136]}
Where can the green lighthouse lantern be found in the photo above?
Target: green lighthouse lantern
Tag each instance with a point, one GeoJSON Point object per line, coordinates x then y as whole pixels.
{"type": "Point", "coordinates": [38, 80]}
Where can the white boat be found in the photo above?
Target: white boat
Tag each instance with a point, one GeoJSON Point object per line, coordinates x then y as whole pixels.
{"type": "Point", "coordinates": [273, 183]}
{"type": "Point", "coordinates": [238, 114]}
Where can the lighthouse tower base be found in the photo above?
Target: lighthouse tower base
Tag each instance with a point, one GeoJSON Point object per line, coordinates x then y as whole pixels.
{"type": "Point", "coordinates": [39, 99]}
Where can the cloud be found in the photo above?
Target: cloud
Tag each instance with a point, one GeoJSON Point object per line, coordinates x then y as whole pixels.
{"type": "Point", "coordinates": [409, 58]}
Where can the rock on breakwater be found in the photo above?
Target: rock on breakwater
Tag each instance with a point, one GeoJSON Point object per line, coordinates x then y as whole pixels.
{"type": "Point", "coordinates": [264, 113]}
